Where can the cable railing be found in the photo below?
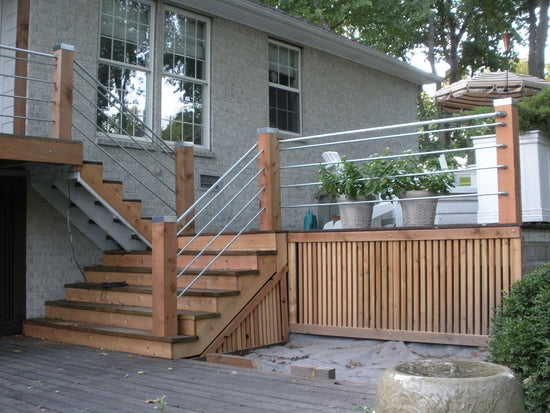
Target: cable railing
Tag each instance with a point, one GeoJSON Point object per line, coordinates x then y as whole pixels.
{"type": "Point", "coordinates": [142, 164]}
{"type": "Point", "coordinates": [305, 177]}
{"type": "Point", "coordinates": [24, 70]}
{"type": "Point", "coordinates": [231, 201]}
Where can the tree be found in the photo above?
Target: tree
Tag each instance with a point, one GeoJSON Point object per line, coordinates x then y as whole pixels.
{"type": "Point", "coordinates": [534, 18]}
{"type": "Point", "coordinates": [463, 33]}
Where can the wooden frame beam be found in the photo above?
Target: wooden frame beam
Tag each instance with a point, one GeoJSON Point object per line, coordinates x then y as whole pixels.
{"type": "Point", "coordinates": [33, 149]}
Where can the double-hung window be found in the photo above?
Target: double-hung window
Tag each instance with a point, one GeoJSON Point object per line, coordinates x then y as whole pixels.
{"type": "Point", "coordinates": [136, 56]}
{"type": "Point", "coordinates": [284, 87]}
{"type": "Point", "coordinates": [184, 78]}
{"type": "Point", "coordinates": [125, 64]}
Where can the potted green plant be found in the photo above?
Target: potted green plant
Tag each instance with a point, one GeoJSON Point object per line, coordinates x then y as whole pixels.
{"type": "Point", "coordinates": [347, 182]}
{"type": "Point", "coordinates": [410, 177]}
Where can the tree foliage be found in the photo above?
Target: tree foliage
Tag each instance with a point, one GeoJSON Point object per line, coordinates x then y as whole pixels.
{"type": "Point", "coordinates": [520, 337]}
{"type": "Point", "coordinates": [465, 34]}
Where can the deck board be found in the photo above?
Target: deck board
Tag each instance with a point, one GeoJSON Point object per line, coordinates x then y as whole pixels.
{"type": "Point", "coordinates": [56, 377]}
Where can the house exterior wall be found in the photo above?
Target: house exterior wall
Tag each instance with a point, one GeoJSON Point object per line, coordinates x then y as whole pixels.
{"type": "Point", "coordinates": [535, 251]}
{"type": "Point", "coordinates": [8, 28]}
{"type": "Point", "coordinates": [50, 262]}
{"type": "Point", "coordinates": [335, 95]}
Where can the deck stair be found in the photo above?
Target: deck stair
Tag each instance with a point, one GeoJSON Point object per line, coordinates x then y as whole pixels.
{"type": "Point", "coordinates": [97, 208]}
{"type": "Point", "coordinates": [112, 308]}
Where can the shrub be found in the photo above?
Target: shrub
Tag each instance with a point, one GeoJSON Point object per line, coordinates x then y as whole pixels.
{"type": "Point", "coordinates": [534, 112]}
{"type": "Point", "coordinates": [520, 337]}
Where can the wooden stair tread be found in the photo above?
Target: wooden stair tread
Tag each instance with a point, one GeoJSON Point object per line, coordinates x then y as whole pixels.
{"type": "Point", "coordinates": [107, 330]}
{"type": "Point", "coordinates": [230, 252]}
{"type": "Point", "coordinates": [191, 271]}
{"type": "Point", "coordinates": [147, 290]}
{"type": "Point", "coordinates": [126, 309]}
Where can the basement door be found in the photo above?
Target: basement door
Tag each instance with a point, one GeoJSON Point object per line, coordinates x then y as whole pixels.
{"type": "Point", "coordinates": [13, 194]}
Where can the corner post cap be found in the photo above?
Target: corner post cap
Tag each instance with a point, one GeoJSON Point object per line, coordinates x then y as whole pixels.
{"type": "Point", "coordinates": [267, 130]}
{"type": "Point", "coordinates": [63, 46]}
{"type": "Point", "coordinates": [164, 219]}
{"type": "Point", "coordinates": [505, 102]}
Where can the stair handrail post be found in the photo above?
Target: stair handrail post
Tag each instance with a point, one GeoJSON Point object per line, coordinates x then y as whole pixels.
{"type": "Point", "coordinates": [21, 67]}
{"type": "Point", "coordinates": [509, 180]}
{"type": "Point", "coordinates": [269, 179]}
{"type": "Point", "coordinates": [62, 94]}
{"type": "Point", "coordinates": [164, 272]}
{"type": "Point", "coordinates": [185, 184]}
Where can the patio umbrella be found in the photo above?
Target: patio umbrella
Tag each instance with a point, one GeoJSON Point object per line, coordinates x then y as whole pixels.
{"type": "Point", "coordinates": [482, 89]}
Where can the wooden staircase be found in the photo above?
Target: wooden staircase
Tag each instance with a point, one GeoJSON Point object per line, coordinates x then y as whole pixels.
{"type": "Point", "coordinates": [112, 308]}
{"type": "Point", "coordinates": [98, 208]}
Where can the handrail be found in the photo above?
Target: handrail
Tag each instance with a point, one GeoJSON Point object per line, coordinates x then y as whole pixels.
{"type": "Point", "coordinates": [396, 126]}
{"type": "Point", "coordinates": [33, 52]}
{"type": "Point", "coordinates": [191, 209]}
{"type": "Point", "coordinates": [399, 135]}
{"type": "Point", "coordinates": [295, 180]}
{"type": "Point", "coordinates": [17, 111]}
{"type": "Point", "coordinates": [229, 183]}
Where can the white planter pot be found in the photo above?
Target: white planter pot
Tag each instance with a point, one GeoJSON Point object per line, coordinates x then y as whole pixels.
{"type": "Point", "coordinates": [418, 212]}
{"type": "Point", "coordinates": [356, 215]}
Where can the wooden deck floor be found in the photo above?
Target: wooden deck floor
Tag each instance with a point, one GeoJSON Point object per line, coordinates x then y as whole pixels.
{"type": "Point", "coordinates": [38, 375]}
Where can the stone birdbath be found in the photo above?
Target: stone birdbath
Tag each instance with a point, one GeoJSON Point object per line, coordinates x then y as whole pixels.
{"type": "Point", "coordinates": [438, 386]}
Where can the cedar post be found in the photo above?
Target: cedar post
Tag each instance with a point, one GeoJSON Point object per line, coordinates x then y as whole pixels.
{"type": "Point", "coordinates": [62, 95]}
{"type": "Point", "coordinates": [20, 82]}
{"type": "Point", "coordinates": [165, 315]}
{"type": "Point", "coordinates": [509, 206]}
{"type": "Point", "coordinates": [185, 184]}
{"type": "Point", "coordinates": [269, 179]}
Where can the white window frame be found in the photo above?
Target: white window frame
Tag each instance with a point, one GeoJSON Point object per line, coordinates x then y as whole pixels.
{"type": "Point", "coordinates": [297, 90]}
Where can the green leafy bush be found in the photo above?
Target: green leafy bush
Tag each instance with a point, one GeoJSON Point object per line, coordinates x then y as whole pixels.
{"type": "Point", "coordinates": [534, 112]}
{"type": "Point", "coordinates": [520, 337]}
{"type": "Point", "coordinates": [347, 178]}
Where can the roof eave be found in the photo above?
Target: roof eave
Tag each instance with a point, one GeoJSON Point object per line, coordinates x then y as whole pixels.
{"type": "Point", "coordinates": [297, 31]}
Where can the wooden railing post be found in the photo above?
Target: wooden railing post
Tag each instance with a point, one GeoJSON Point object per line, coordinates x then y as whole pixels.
{"type": "Point", "coordinates": [185, 184]}
{"type": "Point", "coordinates": [268, 163]}
{"type": "Point", "coordinates": [509, 206]}
{"type": "Point", "coordinates": [165, 315]}
{"type": "Point", "coordinates": [62, 95]}
{"type": "Point", "coordinates": [20, 82]}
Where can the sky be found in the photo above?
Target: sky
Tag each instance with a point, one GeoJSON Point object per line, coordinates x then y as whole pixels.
{"type": "Point", "coordinates": [419, 60]}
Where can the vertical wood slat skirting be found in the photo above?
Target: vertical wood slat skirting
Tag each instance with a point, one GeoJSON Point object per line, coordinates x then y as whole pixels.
{"type": "Point", "coordinates": [414, 286]}
{"type": "Point", "coordinates": [263, 326]}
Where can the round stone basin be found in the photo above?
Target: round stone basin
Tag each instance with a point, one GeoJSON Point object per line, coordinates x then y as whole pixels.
{"type": "Point", "coordinates": [437, 386]}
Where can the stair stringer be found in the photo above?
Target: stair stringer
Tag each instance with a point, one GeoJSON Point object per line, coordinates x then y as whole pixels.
{"type": "Point", "coordinates": [272, 268]}
{"type": "Point", "coordinates": [90, 176]}
{"type": "Point", "coordinates": [77, 217]}
{"type": "Point", "coordinates": [103, 215]}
